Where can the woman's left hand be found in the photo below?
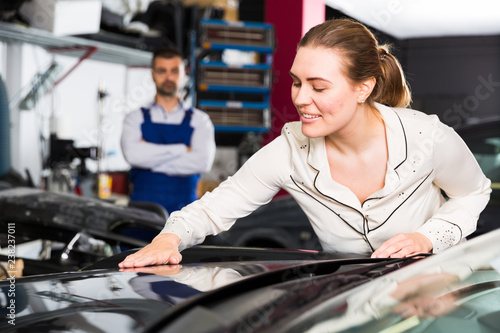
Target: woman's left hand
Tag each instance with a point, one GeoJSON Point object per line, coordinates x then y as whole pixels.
{"type": "Point", "coordinates": [403, 245]}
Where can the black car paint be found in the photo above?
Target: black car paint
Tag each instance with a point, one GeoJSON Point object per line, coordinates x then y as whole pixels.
{"type": "Point", "coordinates": [279, 224]}
{"type": "Point", "coordinates": [268, 291]}
{"type": "Point", "coordinates": [101, 291]}
{"type": "Point", "coordinates": [74, 224]}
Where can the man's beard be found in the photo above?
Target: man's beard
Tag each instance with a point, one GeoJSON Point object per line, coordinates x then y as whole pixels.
{"type": "Point", "coordinates": [171, 92]}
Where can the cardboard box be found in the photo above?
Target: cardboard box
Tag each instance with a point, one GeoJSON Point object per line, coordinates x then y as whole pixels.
{"type": "Point", "coordinates": [63, 17]}
{"type": "Point", "coordinates": [230, 7]}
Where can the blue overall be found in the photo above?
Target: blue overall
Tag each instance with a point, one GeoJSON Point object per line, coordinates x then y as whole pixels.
{"type": "Point", "coordinates": [172, 192]}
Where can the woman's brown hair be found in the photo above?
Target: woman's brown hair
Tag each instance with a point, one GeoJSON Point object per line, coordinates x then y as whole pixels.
{"type": "Point", "coordinates": [364, 59]}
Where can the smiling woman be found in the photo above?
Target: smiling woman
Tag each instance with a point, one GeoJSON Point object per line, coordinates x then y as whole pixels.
{"type": "Point", "coordinates": [332, 105]}
{"type": "Point", "coordinates": [368, 172]}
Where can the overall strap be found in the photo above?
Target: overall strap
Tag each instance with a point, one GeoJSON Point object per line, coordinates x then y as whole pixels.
{"type": "Point", "coordinates": [146, 114]}
{"type": "Point", "coordinates": [187, 117]}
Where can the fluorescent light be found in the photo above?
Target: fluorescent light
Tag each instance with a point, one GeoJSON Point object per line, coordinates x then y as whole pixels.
{"type": "Point", "coordinates": [424, 18]}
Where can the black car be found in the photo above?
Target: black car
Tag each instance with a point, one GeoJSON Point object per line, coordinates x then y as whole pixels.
{"type": "Point", "coordinates": [65, 232]}
{"type": "Point", "coordinates": [483, 139]}
{"type": "Point", "coordinates": [279, 224]}
{"type": "Point", "coordinates": [260, 290]}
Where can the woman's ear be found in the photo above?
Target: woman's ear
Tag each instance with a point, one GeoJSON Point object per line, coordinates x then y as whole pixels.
{"type": "Point", "coordinates": [365, 88]}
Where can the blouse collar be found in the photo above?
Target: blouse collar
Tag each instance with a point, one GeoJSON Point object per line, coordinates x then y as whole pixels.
{"type": "Point", "coordinates": [397, 151]}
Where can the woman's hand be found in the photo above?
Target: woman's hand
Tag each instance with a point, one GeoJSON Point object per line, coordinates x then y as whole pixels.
{"type": "Point", "coordinates": [403, 245]}
{"type": "Point", "coordinates": [164, 249]}
{"type": "Point", "coordinates": [157, 270]}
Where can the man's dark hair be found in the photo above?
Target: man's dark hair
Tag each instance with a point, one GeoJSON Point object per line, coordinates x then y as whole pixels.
{"type": "Point", "coordinates": [167, 52]}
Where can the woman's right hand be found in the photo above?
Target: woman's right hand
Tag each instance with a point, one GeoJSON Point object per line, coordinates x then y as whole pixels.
{"type": "Point", "coordinates": [163, 249]}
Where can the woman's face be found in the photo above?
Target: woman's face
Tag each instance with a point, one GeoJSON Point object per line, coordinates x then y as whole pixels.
{"type": "Point", "coordinates": [324, 97]}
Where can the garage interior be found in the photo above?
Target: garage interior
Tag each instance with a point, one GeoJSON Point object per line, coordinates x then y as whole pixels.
{"type": "Point", "coordinates": [106, 72]}
{"type": "Point", "coordinates": [71, 70]}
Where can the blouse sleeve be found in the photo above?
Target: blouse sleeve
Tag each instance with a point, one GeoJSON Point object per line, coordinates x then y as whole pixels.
{"type": "Point", "coordinates": [254, 185]}
{"type": "Point", "coordinates": [468, 190]}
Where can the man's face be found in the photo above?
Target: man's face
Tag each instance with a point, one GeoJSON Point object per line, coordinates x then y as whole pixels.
{"type": "Point", "coordinates": [168, 74]}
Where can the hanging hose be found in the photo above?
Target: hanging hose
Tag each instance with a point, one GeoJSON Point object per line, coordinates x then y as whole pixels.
{"type": "Point", "coordinates": [5, 165]}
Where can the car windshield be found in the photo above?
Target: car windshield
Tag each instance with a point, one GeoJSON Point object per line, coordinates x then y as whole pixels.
{"type": "Point", "coordinates": [456, 291]}
{"type": "Point", "coordinates": [485, 145]}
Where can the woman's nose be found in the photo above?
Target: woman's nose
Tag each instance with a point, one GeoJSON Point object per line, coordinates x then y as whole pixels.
{"type": "Point", "coordinates": [301, 96]}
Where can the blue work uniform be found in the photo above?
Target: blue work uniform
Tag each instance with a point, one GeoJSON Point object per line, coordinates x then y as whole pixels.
{"type": "Point", "coordinates": [172, 192]}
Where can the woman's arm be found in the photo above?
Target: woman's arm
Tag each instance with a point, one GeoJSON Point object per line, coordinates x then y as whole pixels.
{"type": "Point", "coordinates": [459, 175]}
{"type": "Point", "coordinates": [254, 185]}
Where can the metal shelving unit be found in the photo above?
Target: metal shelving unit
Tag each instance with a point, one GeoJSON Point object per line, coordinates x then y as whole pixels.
{"type": "Point", "coordinates": [74, 46]}
{"type": "Point", "coordinates": [236, 96]}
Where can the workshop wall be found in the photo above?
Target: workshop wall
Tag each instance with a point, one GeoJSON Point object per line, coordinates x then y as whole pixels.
{"type": "Point", "coordinates": [71, 109]}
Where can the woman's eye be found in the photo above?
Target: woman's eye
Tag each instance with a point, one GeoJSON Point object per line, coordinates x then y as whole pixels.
{"type": "Point", "coordinates": [319, 89]}
{"type": "Point", "coordinates": [296, 84]}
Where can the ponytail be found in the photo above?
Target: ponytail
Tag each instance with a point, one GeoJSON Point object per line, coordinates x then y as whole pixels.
{"type": "Point", "coordinates": [391, 88]}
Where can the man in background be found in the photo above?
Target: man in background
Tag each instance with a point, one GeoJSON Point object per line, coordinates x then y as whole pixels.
{"type": "Point", "coordinates": [168, 144]}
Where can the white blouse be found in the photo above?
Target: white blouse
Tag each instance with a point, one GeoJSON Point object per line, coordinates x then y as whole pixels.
{"type": "Point", "coordinates": [425, 157]}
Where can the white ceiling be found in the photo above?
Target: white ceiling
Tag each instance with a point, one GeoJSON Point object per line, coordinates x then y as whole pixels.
{"type": "Point", "coordinates": [424, 18]}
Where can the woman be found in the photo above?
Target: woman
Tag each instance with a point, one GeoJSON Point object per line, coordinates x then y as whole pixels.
{"type": "Point", "coordinates": [367, 172]}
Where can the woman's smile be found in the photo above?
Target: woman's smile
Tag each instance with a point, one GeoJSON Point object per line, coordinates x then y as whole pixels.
{"type": "Point", "coordinates": [307, 117]}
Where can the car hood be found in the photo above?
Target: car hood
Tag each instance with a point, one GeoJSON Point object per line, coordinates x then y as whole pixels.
{"type": "Point", "coordinates": [243, 291]}
{"type": "Point", "coordinates": [113, 301]}
{"type": "Point", "coordinates": [103, 298]}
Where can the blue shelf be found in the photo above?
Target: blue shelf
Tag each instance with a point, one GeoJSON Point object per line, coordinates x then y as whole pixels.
{"type": "Point", "coordinates": [240, 89]}
{"type": "Point", "coordinates": [244, 36]}
{"type": "Point", "coordinates": [248, 48]}
{"type": "Point", "coordinates": [220, 64]}
{"type": "Point", "coordinates": [229, 110]}
{"type": "Point", "coordinates": [241, 129]}
{"type": "Point", "coordinates": [237, 24]}
{"type": "Point", "coordinates": [233, 104]}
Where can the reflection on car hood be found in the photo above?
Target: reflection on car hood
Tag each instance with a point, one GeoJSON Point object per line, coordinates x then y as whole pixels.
{"type": "Point", "coordinates": [455, 291]}
{"type": "Point", "coordinates": [459, 287]}
{"type": "Point", "coordinates": [113, 301]}
{"type": "Point", "coordinates": [110, 300]}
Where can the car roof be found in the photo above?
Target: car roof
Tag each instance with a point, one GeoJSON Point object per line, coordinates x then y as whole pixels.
{"type": "Point", "coordinates": [474, 124]}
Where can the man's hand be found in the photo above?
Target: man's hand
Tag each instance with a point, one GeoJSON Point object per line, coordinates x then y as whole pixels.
{"type": "Point", "coordinates": [164, 249]}
{"type": "Point", "coordinates": [403, 245]}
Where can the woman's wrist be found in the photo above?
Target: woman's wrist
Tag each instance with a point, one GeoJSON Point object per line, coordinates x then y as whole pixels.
{"type": "Point", "coordinates": [168, 239]}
